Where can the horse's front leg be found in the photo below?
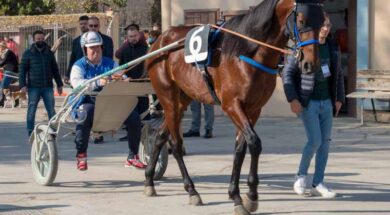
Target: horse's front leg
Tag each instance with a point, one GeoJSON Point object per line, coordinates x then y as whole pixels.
{"type": "Point", "coordinates": [239, 155]}
{"type": "Point", "coordinates": [250, 202]}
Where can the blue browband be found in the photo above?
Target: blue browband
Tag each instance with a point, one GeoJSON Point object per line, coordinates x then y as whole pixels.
{"type": "Point", "coordinates": [258, 65]}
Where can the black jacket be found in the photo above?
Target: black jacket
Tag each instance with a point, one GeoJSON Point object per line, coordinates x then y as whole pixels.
{"type": "Point", "coordinates": [76, 54]}
{"type": "Point", "coordinates": [133, 52]}
{"type": "Point", "coordinates": [9, 62]}
{"type": "Point", "coordinates": [300, 86]}
{"type": "Point", "coordinates": [108, 46]}
{"type": "Point", "coordinates": [38, 68]}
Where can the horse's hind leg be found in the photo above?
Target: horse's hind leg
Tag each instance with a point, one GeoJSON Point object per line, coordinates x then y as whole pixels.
{"type": "Point", "coordinates": [174, 105]}
{"type": "Point", "coordinates": [249, 203]}
{"type": "Point", "coordinates": [173, 114]}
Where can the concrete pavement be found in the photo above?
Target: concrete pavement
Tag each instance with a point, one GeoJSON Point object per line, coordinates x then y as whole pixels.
{"type": "Point", "coordinates": [358, 169]}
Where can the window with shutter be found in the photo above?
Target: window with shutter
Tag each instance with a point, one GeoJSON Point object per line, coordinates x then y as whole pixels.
{"type": "Point", "coordinates": [201, 16]}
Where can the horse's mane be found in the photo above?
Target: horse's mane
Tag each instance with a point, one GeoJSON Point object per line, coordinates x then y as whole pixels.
{"type": "Point", "coordinates": [255, 24]}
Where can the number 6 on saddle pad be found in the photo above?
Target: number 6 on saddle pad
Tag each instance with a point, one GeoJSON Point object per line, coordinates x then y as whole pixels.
{"type": "Point", "coordinates": [196, 45]}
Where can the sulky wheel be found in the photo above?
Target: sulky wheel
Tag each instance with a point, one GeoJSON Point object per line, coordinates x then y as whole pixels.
{"type": "Point", "coordinates": [44, 156]}
{"type": "Point", "coordinates": [148, 139]}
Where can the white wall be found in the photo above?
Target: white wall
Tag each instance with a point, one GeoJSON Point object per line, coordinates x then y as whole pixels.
{"type": "Point", "coordinates": [381, 35]}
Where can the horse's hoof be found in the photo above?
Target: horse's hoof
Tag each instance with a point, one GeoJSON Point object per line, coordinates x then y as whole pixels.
{"type": "Point", "coordinates": [196, 200]}
{"type": "Point", "coordinates": [249, 205]}
{"type": "Point", "coordinates": [240, 210]}
{"type": "Point", "coordinates": [150, 191]}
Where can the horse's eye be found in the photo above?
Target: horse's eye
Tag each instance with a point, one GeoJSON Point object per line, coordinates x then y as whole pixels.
{"type": "Point", "coordinates": [300, 20]}
{"type": "Point", "coordinates": [301, 23]}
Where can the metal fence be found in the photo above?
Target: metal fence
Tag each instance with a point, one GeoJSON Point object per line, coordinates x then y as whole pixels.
{"type": "Point", "coordinates": [22, 35]}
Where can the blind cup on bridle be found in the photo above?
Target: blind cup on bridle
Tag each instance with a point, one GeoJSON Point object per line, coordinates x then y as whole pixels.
{"type": "Point", "coordinates": [313, 12]}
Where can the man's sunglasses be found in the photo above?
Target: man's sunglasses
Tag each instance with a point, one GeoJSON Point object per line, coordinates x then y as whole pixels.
{"type": "Point", "coordinates": [93, 26]}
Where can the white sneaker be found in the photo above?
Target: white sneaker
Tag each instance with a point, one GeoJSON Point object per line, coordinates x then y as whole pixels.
{"type": "Point", "coordinates": [322, 190]}
{"type": "Point", "coordinates": [300, 185]}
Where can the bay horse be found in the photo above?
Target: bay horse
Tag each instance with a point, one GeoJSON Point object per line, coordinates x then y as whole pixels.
{"type": "Point", "coordinates": [242, 89]}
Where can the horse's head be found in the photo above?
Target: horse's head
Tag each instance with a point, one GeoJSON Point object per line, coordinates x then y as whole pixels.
{"type": "Point", "coordinates": [302, 27]}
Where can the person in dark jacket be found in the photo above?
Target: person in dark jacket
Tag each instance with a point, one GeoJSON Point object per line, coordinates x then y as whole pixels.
{"type": "Point", "coordinates": [126, 43]}
{"type": "Point", "coordinates": [314, 97]}
{"type": "Point", "coordinates": [135, 49]}
{"type": "Point", "coordinates": [77, 52]}
{"type": "Point", "coordinates": [9, 63]}
{"type": "Point", "coordinates": [37, 70]}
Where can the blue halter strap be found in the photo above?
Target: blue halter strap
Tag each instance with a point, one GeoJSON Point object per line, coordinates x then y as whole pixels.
{"type": "Point", "coordinates": [258, 65]}
{"type": "Point", "coordinates": [298, 39]}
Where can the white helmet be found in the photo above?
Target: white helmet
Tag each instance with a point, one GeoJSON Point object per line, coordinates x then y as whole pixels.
{"type": "Point", "coordinates": [91, 38]}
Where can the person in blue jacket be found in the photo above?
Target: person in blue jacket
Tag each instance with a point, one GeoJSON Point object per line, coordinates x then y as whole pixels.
{"type": "Point", "coordinates": [88, 67]}
{"type": "Point", "coordinates": [88, 24]}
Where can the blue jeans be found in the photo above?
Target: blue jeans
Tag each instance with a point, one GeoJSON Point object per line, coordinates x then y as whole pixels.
{"type": "Point", "coordinates": [317, 119]}
{"type": "Point", "coordinates": [6, 82]}
{"type": "Point", "coordinates": [34, 95]}
{"type": "Point", "coordinates": [196, 116]}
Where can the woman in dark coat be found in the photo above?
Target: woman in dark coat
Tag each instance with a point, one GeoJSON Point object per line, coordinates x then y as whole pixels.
{"type": "Point", "coordinates": [9, 64]}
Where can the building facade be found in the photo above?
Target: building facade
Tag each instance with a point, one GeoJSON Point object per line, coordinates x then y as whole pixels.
{"type": "Point", "coordinates": [360, 27]}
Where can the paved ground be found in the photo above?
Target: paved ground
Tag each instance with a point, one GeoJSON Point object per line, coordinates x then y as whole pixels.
{"type": "Point", "coordinates": [358, 169]}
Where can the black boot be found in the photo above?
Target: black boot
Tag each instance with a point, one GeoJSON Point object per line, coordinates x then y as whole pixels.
{"type": "Point", "coordinates": [98, 140]}
{"type": "Point", "coordinates": [123, 139]}
{"type": "Point", "coordinates": [191, 133]}
{"type": "Point", "coordinates": [2, 98]}
{"type": "Point", "coordinates": [208, 134]}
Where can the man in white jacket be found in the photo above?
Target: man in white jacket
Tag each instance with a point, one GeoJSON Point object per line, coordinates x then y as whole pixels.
{"type": "Point", "coordinates": [90, 66]}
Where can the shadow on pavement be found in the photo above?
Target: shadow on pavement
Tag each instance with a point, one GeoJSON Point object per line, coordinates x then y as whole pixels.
{"type": "Point", "coordinates": [335, 212]}
{"type": "Point", "coordinates": [98, 184]}
{"type": "Point", "coordinates": [13, 208]}
{"type": "Point", "coordinates": [354, 191]}
{"type": "Point", "coordinates": [13, 182]}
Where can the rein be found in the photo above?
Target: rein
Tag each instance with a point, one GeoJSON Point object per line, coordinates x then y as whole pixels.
{"type": "Point", "coordinates": [284, 51]}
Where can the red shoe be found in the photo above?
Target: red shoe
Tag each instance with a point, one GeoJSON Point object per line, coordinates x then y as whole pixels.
{"type": "Point", "coordinates": [135, 162]}
{"type": "Point", "coordinates": [82, 164]}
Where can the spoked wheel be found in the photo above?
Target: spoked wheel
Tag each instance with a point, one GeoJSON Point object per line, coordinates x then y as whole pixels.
{"type": "Point", "coordinates": [44, 157]}
{"type": "Point", "coordinates": [148, 139]}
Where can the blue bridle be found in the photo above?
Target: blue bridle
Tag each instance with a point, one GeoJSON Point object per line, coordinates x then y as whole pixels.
{"type": "Point", "coordinates": [297, 47]}
{"type": "Point", "coordinates": [299, 43]}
